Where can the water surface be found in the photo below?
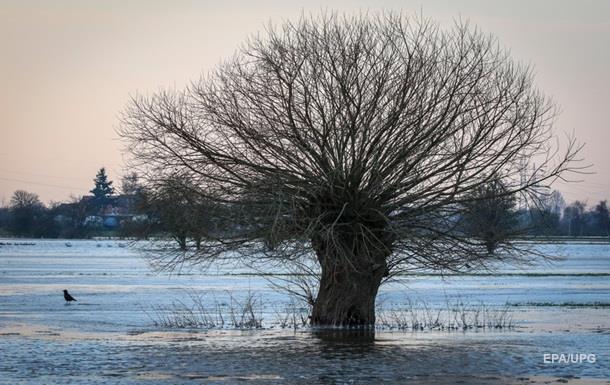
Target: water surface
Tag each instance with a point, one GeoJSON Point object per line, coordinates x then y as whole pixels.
{"type": "Point", "coordinates": [108, 335]}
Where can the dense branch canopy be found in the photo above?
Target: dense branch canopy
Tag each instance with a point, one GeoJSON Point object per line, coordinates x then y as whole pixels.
{"type": "Point", "coordinates": [371, 125]}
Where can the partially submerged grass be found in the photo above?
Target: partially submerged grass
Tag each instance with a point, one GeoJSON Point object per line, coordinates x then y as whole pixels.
{"type": "Point", "coordinates": [238, 314]}
{"type": "Point", "coordinates": [456, 314]}
{"type": "Point", "coordinates": [293, 316]}
{"type": "Point", "coordinates": [206, 312]}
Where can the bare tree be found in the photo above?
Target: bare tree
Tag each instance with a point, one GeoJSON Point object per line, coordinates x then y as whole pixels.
{"type": "Point", "coordinates": [490, 215]}
{"type": "Point", "coordinates": [179, 211]}
{"type": "Point", "coordinates": [26, 211]}
{"type": "Point", "coordinates": [25, 199]}
{"type": "Point", "coordinates": [357, 139]}
{"type": "Point", "coordinates": [130, 184]}
{"type": "Point", "coordinates": [601, 214]}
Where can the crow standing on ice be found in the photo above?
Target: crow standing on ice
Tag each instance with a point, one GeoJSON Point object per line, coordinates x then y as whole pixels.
{"type": "Point", "coordinates": [68, 297]}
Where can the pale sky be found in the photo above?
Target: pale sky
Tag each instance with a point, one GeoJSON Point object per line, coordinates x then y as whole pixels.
{"type": "Point", "coordinates": [67, 68]}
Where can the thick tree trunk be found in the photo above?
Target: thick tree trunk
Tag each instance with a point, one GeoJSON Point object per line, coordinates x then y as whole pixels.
{"type": "Point", "coordinates": [349, 283]}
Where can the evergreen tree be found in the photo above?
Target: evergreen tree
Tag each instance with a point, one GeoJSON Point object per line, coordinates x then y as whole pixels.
{"type": "Point", "coordinates": [103, 189]}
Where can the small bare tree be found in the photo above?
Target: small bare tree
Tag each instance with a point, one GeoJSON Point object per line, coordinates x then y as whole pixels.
{"type": "Point", "coordinates": [358, 139]}
{"type": "Point", "coordinates": [179, 211]}
{"type": "Point", "coordinates": [490, 215]}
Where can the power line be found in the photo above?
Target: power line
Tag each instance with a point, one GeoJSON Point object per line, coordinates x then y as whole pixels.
{"type": "Point", "coordinates": [19, 173]}
{"type": "Point", "coordinates": [42, 184]}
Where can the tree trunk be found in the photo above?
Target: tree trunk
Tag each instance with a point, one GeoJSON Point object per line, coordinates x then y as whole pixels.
{"type": "Point", "coordinates": [181, 239]}
{"type": "Point", "coordinates": [198, 242]}
{"type": "Point", "coordinates": [350, 279]}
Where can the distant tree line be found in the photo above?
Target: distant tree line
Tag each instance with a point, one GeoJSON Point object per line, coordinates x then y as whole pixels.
{"type": "Point", "coordinates": [166, 209]}
{"type": "Point", "coordinates": [171, 208]}
{"type": "Point", "coordinates": [80, 217]}
{"type": "Point", "coordinates": [579, 221]}
{"type": "Point", "coordinates": [494, 220]}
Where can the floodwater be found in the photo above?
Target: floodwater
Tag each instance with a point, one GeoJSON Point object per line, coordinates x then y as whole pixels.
{"type": "Point", "coordinates": [109, 335]}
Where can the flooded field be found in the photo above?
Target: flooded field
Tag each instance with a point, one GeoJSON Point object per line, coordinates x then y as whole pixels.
{"type": "Point", "coordinates": [109, 334]}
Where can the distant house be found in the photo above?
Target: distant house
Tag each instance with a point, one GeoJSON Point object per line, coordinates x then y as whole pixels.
{"type": "Point", "coordinates": [119, 208]}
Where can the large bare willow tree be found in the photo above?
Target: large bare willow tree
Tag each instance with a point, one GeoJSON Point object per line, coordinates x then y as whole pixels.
{"type": "Point", "coordinates": [355, 140]}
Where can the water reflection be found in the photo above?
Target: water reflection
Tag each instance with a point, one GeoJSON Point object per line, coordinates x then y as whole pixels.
{"type": "Point", "coordinates": [348, 337]}
{"type": "Point", "coordinates": [316, 357]}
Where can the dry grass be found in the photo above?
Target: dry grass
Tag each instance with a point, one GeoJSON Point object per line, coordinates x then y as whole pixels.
{"type": "Point", "coordinates": [295, 315]}
{"type": "Point", "coordinates": [206, 312]}
{"type": "Point", "coordinates": [239, 314]}
{"type": "Point", "coordinates": [456, 314]}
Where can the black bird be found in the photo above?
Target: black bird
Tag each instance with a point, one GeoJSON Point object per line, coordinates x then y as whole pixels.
{"type": "Point", "coordinates": [68, 297]}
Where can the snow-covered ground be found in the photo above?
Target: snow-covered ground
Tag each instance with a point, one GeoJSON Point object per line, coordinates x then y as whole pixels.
{"type": "Point", "coordinates": [108, 335]}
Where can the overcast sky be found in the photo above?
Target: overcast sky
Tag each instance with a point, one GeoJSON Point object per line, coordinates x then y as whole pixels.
{"type": "Point", "coordinates": [67, 68]}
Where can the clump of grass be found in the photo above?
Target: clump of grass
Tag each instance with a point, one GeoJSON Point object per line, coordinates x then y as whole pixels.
{"type": "Point", "coordinates": [243, 314]}
{"type": "Point", "coordinates": [456, 314]}
{"type": "Point", "coordinates": [239, 314]}
{"type": "Point", "coordinates": [181, 315]}
{"type": "Point", "coordinates": [293, 316]}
